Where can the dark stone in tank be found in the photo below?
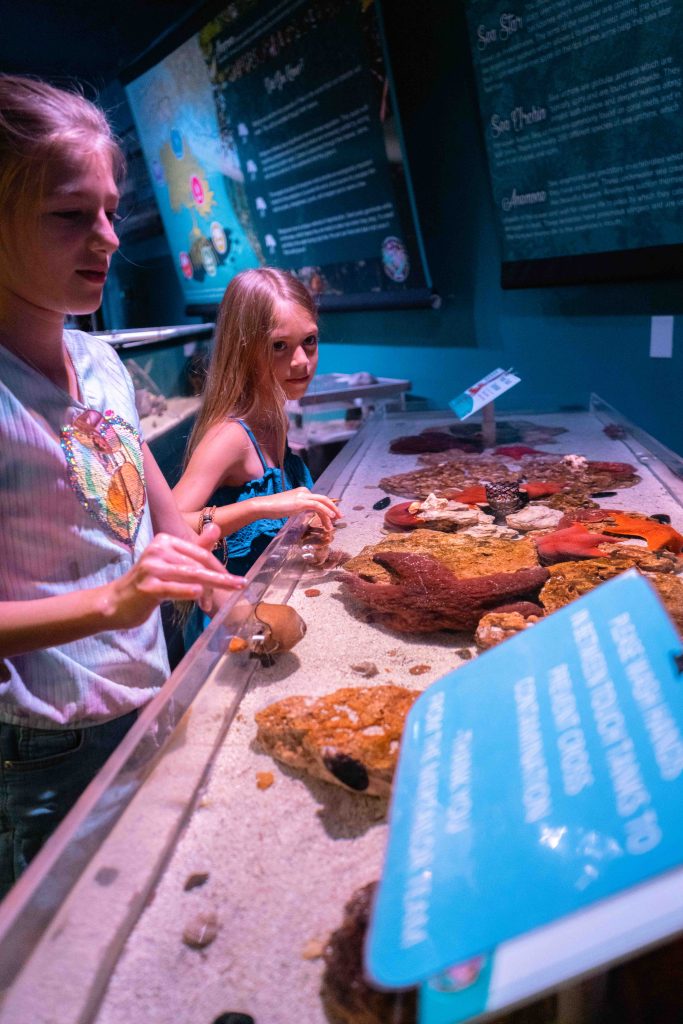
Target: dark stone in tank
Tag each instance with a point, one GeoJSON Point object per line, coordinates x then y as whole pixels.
{"type": "Point", "coordinates": [234, 1018]}
{"type": "Point", "coordinates": [105, 876]}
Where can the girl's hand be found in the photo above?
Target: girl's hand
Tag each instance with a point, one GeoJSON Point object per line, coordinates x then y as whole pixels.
{"type": "Point", "coordinates": [300, 499]}
{"type": "Point", "coordinates": [168, 569]}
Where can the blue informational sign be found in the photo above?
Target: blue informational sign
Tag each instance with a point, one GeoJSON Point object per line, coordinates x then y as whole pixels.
{"type": "Point", "coordinates": [534, 782]}
{"type": "Point", "coordinates": [484, 391]}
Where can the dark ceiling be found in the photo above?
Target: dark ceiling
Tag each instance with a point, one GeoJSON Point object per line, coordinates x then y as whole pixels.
{"type": "Point", "coordinates": [85, 40]}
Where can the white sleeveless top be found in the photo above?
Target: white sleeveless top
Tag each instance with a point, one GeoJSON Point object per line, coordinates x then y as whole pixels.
{"type": "Point", "coordinates": [73, 515]}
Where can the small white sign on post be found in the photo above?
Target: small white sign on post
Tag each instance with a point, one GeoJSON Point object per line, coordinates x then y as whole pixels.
{"type": "Point", "coordinates": [484, 391]}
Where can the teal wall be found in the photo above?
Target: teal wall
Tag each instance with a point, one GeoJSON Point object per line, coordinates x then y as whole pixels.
{"type": "Point", "coordinates": [564, 342]}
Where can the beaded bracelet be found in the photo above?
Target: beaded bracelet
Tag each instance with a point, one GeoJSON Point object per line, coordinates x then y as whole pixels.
{"type": "Point", "coordinates": [205, 519]}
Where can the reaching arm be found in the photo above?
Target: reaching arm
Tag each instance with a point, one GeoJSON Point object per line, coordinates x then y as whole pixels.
{"type": "Point", "coordinates": [273, 506]}
{"type": "Point", "coordinates": [177, 565]}
{"type": "Point", "coordinates": [223, 454]}
{"type": "Point", "coordinates": [168, 569]}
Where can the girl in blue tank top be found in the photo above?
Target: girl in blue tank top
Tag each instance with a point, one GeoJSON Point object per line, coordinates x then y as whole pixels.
{"type": "Point", "coordinates": [245, 545]}
{"type": "Point", "coordinates": [239, 471]}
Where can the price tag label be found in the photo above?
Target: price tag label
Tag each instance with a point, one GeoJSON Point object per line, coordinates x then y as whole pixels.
{"type": "Point", "coordinates": [484, 391]}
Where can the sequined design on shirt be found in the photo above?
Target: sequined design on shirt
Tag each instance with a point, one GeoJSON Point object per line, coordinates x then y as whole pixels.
{"type": "Point", "coordinates": [104, 464]}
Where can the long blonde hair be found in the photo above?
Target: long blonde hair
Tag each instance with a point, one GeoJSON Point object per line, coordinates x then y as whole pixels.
{"type": "Point", "coordinates": [40, 126]}
{"type": "Point", "coordinates": [240, 380]}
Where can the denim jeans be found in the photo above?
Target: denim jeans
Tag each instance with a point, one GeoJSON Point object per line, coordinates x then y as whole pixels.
{"type": "Point", "coordinates": [42, 774]}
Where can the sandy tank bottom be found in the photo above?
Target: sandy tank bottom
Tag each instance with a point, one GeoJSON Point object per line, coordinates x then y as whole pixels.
{"type": "Point", "coordinates": [282, 861]}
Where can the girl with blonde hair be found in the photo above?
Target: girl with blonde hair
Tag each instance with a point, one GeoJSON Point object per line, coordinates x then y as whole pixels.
{"type": "Point", "coordinates": [90, 539]}
{"type": "Point", "coordinates": [240, 473]}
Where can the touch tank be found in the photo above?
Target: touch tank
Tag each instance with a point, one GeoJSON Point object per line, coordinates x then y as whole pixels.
{"type": "Point", "coordinates": [190, 821]}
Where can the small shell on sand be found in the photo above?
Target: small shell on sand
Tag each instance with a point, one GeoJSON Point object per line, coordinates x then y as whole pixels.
{"type": "Point", "coordinates": [313, 950]}
{"type": "Point", "coordinates": [264, 780]}
{"type": "Point", "coordinates": [196, 879]}
{"type": "Point", "coordinates": [237, 643]}
{"type": "Point", "coordinates": [282, 628]}
{"type": "Point", "coordinates": [201, 930]}
{"type": "Point", "coordinates": [368, 669]}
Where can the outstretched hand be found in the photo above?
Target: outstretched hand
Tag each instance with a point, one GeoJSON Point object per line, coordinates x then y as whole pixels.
{"type": "Point", "coordinates": [168, 569]}
{"type": "Point", "coordinates": [301, 499]}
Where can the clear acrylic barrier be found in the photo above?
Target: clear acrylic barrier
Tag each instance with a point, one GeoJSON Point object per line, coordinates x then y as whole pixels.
{"type": "Point", "coordinates": [63, 926]}
{"type": "Point", "coordinates": [666, 465]}
{"type": "Point", "coordinates": [174, 739]}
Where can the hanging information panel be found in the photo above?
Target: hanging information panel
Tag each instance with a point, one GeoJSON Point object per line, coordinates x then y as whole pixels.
{"type": "Point", "coordinates": [271, 139]}
{"type": "Point", "coordinates": [581, 111]}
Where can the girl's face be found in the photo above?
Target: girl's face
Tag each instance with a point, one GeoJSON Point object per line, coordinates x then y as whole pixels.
{"type": "Point", "coordinates": [59, 255]}
{"type": "Point", "coordinates": [294, 342]}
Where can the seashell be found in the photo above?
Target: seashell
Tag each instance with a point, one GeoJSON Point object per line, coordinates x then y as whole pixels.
{"type": "Point", "coordinates": [264, 780]}
{"type": "Point", "coordinates": [282, 628]}
{"type": "Point", "coordinates": [313, 949]}
{"type": "Point", "coordinates": [201, 930]}
{"type": "Point", "coordinates": [365, 668]}
{"type": "Point", "coordinates": [237, 644]}
{"type": "Point", "coordinates": [196, 879]}
{"type": "Point", "coordinates": [505, 496]}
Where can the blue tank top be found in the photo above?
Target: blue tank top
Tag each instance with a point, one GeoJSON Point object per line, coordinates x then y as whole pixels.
{"type": "Point", "coordinates": [245, 546]}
